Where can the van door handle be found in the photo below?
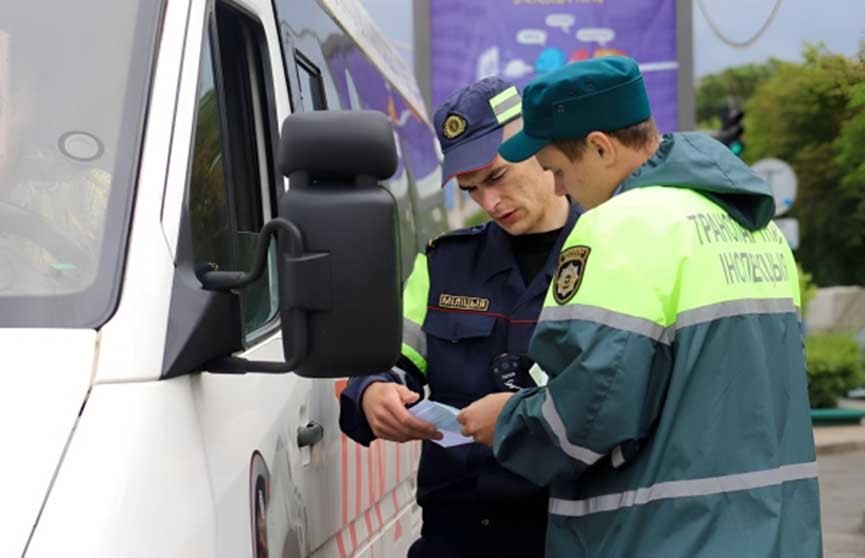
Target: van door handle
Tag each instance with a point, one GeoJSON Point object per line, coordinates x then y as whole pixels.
{"type": "Point", "coordinates": [310, 434]}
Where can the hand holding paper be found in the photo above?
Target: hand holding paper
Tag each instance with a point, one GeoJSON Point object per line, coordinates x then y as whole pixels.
{"type": "Point", "coordinates": [444, 418]}
{"type": "Point", "coordinates": [384, 404]}
{"type": "Point", "coordinates": [478, 420]}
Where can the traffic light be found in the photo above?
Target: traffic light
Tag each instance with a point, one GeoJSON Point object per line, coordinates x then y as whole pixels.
{"type": "Point", "coordinates": [732, 130]}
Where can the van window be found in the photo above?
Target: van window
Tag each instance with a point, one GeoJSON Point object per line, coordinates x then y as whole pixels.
{"type": "Point", "coordinates": [311, 82]}
{"type": "Point", "coordinates": [72, 118]}
{"type": "Point", "coordinates": [232, 185]}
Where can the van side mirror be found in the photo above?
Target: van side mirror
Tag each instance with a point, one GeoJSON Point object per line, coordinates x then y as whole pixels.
{"type": "Point", "coordinates": [341, 314]}
{"type": "Point", "coordinates": [338, 255]}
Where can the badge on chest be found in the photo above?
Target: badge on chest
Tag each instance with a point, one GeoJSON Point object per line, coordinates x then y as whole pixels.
{"type": "Point", "coordinates": [464, 302]}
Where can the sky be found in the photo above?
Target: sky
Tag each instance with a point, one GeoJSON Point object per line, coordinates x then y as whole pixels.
{"type": "Point", "coordinates": [840, 24]}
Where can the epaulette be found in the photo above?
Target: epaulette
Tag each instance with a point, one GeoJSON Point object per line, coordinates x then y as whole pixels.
{"type": "Point", "coordinates": [455, 234]}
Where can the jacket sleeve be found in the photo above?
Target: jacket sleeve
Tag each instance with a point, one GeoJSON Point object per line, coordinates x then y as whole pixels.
{"type": "Point", "coordinates": [603, 341]}
{"type": "Point", "coordinates": [410, 368]}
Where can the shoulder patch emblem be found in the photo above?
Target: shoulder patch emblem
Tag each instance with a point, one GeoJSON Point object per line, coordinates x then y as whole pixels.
{"type": "Point", "coordinates": [569, 273]}
{"type": "Point", "coordinates": [462, 302]}
{"type": "Point", "coordinates": [454, 126]}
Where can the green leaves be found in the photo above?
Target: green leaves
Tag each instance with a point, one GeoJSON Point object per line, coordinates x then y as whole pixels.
{"type": "Point", "coordinates": [739, 83]}
{"type": "Point", "coordinates": [834, 363]}
{"type": "Point", "coordinates": [812, 115]}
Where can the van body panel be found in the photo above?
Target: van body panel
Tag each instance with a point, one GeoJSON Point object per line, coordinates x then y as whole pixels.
{"type": "Point", "coordinates": [134, 479]}
{"type": "Point", "coordinates": [50, 373]}
{"type": "Point", "coordinates": [334, 494]}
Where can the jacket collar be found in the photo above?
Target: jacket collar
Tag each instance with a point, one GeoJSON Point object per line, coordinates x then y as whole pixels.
{"type": "Point", "coordinates": [497, 255]}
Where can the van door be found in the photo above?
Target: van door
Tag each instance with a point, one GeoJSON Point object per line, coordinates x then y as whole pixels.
{"type": "Point", "coordinates": [250, 424]}
{"type": "Point", "coordinates": [285, 482]}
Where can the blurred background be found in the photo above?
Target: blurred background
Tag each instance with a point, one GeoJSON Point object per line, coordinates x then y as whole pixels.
{"type": "Point", "coordinates": [780, 82]}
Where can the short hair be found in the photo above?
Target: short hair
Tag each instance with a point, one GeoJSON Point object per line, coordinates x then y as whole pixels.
{"type": "Point", "coordinates": [635, 137]}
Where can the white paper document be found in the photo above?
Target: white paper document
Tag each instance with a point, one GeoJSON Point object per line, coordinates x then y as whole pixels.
{"type": "Point", "coordinates": [443, 417]}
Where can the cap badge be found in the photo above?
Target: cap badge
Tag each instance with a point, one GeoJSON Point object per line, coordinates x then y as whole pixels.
{"type": "Point", "coordinates": [454, 126]}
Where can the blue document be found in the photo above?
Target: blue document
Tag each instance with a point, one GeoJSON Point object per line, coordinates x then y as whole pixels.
{"type": "Point", "coordinates": [443, 417]}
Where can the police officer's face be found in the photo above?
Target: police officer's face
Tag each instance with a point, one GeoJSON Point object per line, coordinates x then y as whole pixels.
{"type": "Point", "coordinates": [520, 197]}
{"type": "Point", "coordinates": [589, 180]}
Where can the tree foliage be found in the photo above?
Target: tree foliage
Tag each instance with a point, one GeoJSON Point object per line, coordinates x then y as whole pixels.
{"type": "Point", "coordinates": [715, 91]}
{"type": "Point", "coordinates": [812, 115]}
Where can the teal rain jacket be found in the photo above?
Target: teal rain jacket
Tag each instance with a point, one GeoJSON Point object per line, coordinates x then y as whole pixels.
{"type": "Point", "coordinates": [676, 419]}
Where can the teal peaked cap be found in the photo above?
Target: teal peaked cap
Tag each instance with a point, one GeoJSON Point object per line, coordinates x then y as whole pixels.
{"type": "Point", "coordinates": [601, 94]}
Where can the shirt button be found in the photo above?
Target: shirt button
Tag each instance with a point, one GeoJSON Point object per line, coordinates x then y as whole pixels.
{"type": "Point", "coordinates": [485, 522]}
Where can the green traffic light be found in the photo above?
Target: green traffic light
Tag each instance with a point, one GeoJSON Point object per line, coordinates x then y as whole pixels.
{"type": "Point", "coordinates": [737, 147]}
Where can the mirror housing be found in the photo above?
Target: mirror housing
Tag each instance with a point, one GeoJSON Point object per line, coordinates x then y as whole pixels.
{"type": "Point", "coordinates": [334, 162]}
{"type": "Point", "coordinates": [338, 259]}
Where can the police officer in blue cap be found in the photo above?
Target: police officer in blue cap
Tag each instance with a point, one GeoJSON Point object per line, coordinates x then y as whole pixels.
{"type": "Point", "coordinates": [470, 307]}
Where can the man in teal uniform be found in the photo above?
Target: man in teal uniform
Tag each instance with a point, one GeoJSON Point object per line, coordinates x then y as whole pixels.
{"type": "Point", "coordinates": [675, 422]}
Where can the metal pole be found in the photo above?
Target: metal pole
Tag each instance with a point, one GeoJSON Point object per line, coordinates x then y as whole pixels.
{"type": "Point", "coordinates": [423, 51]}
{"type": "Point", "coordinates": [685, 57]}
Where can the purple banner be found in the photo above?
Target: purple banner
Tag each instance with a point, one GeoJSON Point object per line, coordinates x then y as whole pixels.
{"type": "Point", "coordinates": [521, 39]}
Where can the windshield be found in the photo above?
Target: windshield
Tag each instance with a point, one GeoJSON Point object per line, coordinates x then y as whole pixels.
{"type": "Point", "coordinates": [74, 78]}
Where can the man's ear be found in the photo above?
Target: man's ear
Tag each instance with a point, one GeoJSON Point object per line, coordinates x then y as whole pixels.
{"type": "Point", "coordinates": [601, 144]}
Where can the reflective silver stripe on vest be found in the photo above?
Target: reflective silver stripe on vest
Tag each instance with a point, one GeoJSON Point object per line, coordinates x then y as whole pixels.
{"type": "Point", "coordinates": [735, 308]}
{"type": "Point", "coordinates": [684, 489]}
{"type": "Point", "coordinates": [688, 318]}
{"type": "Point", "coordinates": [413, 336]}
{"type": "Point", "coordinates": [605, 317]}
{"type": "Point", "coordinates": [552, 417]}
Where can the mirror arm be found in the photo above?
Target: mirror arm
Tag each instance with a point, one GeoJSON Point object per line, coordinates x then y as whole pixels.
{"type": "Point", "coordinates": [227, 280]}
{"type": "Point", "coordinates": [303, 296]}
{"type": "Point", "coordinates": [238, 365]}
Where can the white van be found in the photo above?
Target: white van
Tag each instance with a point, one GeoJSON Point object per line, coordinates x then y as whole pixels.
{"type": "Point", "coordinates": [141, 158]}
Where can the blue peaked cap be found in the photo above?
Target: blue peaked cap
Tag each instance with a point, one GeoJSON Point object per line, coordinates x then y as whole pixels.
{"type": "Point", "coordinates": [469, 124]}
